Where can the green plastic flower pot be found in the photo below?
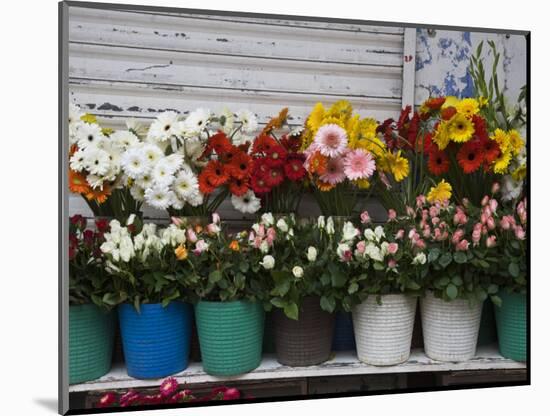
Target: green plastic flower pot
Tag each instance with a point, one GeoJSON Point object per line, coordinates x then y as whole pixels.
{"type": "Point", "coordinates": [91, 339]}
{"type": "Point", "coordinates": [230, 336]}
{"type": "Point", "coordinates": [511, 325]}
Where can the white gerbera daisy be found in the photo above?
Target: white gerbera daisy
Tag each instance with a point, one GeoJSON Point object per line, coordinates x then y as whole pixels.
{"type": "Point", "coordinates": [145, 181]}
{"type": "Point", "coordinates": [77, 160]}
{"type": "Point", "coordinates": [123, 139]}
{"type": "Point", "coordinates": [134, 163]}
{"type": "Point", "coordinates": [137, 192]}
{"type": "Point", "coordinates": [152, 154]}
{"type": "Point", "coordinates": [163, 127]}
{"type": "Point", "coordinates": [196, 121]}
{"type": "Point", "coordinates": [247, 203]}
{"type": "Point", "coordinates": [88, 135]}
{"type": "Point", "coordinates": [186, 184]}
{"type": "Point", "coordinates": [227, 120]}
{"type": "Point", "coordinates": [193, 148]}
{"type": "Point", "coordinates": [75, 121]}
{"type": "Point", "coordinates": [95, 181]}
{"type": "Point", "coordinates": [97, 161]}
{"type": "Point", "coordinates": [296, 131]}
{"type": "Point", "coordinates": [248, 120]}
{"type": "Point", "coordinates": [163, 173]}
{"type": "Point", "coordinates": [196, 199]}
{"type": "Point", "coordinates": [159, 197]}
{"type": "Point", "coordinates": [136, 127]}
{"type": "Point", "coordinates": [175, 160]}
{"type": "Point", "coordinates": [240, 138]}
{"type": "Point", "coordinates": [176, 202]}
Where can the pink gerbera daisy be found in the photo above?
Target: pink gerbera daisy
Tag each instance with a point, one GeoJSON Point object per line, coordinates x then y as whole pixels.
{"type": "Point", "coordinates": [359, 164]}
{"type": "Point", "coordinates": [331, 140]}
{"type": "Point", "coordinates": [169, 387]}
{"type": "Point", "coordinates": [335, 171]}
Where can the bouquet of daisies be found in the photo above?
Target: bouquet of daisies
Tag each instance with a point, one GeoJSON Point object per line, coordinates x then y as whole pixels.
{"type": "Point", "coordinates": [187, 165]}
{"type": "Point", "coordinates": [341, 156]}
{"type": "Point", "coordinates": [95, 165]}
{"type": "Point", "coordinates": [278, 166]}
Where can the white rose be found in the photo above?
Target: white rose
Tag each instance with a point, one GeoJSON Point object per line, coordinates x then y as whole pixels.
{"type": "Point", "coordinates": [282, 225]}
{"type": "Point", "coordinates": [330, 226]}
{"type": "Point", "coordinates": [321, 222]}
{"type": "Point", "coordinates": [373, 252]}
{"type": "Point", "coordinates": [268, 262]}
{"type": "Point", "coordinates": [384, 248]}
{"type": "Point", "coordinates": [311, 253]}
{"type": "Point", "coordinates": [256, 228]}
{"type": "Point", "coordinates": [264, 247]}
{"type": "Point", "coordinates": [267, 219]}
{"type": "Point", "coordinates": [419, 259]}
{"type": "Point", "coordinates": [297, 271]}
{"type": "Point", "coordinates": [369, 235]}
{"type": "Point", "coordinates": [131, 219]}
{"type": "Point", "coordinates": [379, 232]}
{"type": "Point", "coordinates": [342, 249]}
{"type": "Point", "coordinates": [349, 231]}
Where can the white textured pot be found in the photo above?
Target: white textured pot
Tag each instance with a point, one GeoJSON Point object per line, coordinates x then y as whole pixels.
{"type": "Point", "coordinates": [450, 328]}
{"type": "Point", "coordinates": [383, 333]}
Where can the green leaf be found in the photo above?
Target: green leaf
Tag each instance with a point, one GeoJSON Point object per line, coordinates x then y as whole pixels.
{"type": "Point", "coordinates": [457, 280]}
{"type": "Point", "coordinates": [445, 260]}
{"type": "Point", "coordinates": [452, 291]}
{"type": "Point", "coordinates": [460, 257]}
{"type": "Point", "coordinates": [513, 269]}
{"type": "Point", "coordinates": [136, 303]}
{"type": "Point", "coordinates": [496, 300]}
{"type": "Point", "coordinates": [215, 276]}
{"type": "Point", "coordinates": [354, 287]}
{"type": "Point", "coordinates": [278, 302]}
{"type": "Point", "coordinates": [281, 288]}
{"type": "Point", "coordinates": [378, 266]}
{"type": "Point", "coordinates": [412, 285]}
{"type": "Point", "coordinates": [291, 310]}
{"type": "Point", "coordinates": [433, 254]}
{"type": "Point", "coordinates": [244, 266]}
{"type": "Point", "coordinates": [492, 289]}
{"type": "Point", "coordinates": [338, 278]}
{"type": "Point", "coordinates": [328, 304]}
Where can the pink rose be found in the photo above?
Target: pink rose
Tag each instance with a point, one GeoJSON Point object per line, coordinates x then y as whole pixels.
{"type": "Point", "coordinates": [435, 220]}
{"type": "Point", "coordinates": [392, 215]}
{"type": "Point", "coordinates": [465, 202]}
{"type": "Point", "coordinates": [505, 223]}
{"type": "Point", "coordinates": [462, 245]}
{"type": "Point", "coordinates": [437, 234]}
{"type": "Point", "coordinates": [485, 200]}
{"type": "Point", "coordinates": [420, 200]}
{"type": "Point", "coordinates": [491, 241]}
{"type": "Point", "coordinates": [426, 232]}
{"type": "Point", "coordinates": [360, 247]}
{"type": "Point", "coordinates": [399, 235]}
{"type": "Point", "coordinates": [215, 218]}
{"type": "Point", "coordinates": [484, 230]}
{"type": "Point", "coordinates": [213, 228]}
{"type": "Point", "coordinates": [425, 214]}
{"type": "Point", "coordinates": [271, 235]}
{"type": "Point", "coordinates": [420, 244]}
{"type": "Point", "coordinates": [191, 236]}
{"type": "Point", "coordinates": [200, 246]}
{"type": "Point", "coordinates": [392, 248]}
{"type": "Point", "coordinates": [176, 221]}
{"type": "Point", "coordinates": [491, 223]}
{"type": "Point", "coordinates": [476, 236]}
{"type": "Point", "coordinates": [434, 211]}
{"type": "Point", "coordinates": [457, 236]}
{"type": "Point", "coordinates": [519, 232]}
{"type": "Point", "coordinates": [410, 211]}
{"type": "Point", "coordinates": [493, 204]}
{"type": "Point", "coordinates": [495, 188]}
{"type": "Point", "coordinates": [392, 264]}
{"type": "Point", "coordinates": [365, 217]}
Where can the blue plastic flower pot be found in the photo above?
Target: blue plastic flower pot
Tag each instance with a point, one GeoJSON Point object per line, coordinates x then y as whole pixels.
{"type": "Point", "coordinates": [344, 337]}
{"type": "Point", "coordinates": [156, 340]}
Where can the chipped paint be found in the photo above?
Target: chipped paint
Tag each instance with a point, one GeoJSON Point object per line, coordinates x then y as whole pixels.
{"type": "Point", "coordinates": [443, 57]}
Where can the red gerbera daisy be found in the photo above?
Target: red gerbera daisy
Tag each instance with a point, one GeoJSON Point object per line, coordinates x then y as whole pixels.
{"type": "Point", "coordinates": [276, 155]}
{"type": "Point", "coordinates": [294, 167]}
{"type": "Point", "coordinates": [438, 161]}
{"type": "Point", "coordinates": [238, 187]}
{"type": "Point", "coordinates": [229, 154]}
{"type": "Point", "coordinates": [217, 173]}
{"type": "Point", "coordinates": [168, 387]}
{"type": "Point", "coordinates": [413, 130]}
{"type": "Point", "coordinates": [292, 143]}
{"type": "Point", "coordinates": [480, 128]}
{"type": "Point", "coordinates": [262, 144]}
{"type": "Point", "coordinates": [219, 143]}
{"type": "Point", "coordinates": [260, 166]}
{"type": "Point", "coordinates": [470, 156]}
{"type": "Point", "coordinates": [448, 113]}
{"type": "Point", "coordinates": [259, 185]}
{"type": "Point", "coordinates": [240, 166]}
{"type": "Point", "coordinates": [274, 176]}
{"type": "Point", "coordinates": [491, 150]}
{"type": "Point", "coordinates": [205, 186]}
{"type": "Point", "coordinates": [435, 103]}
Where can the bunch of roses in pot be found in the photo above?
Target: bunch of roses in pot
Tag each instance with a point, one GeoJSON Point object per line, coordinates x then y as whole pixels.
{"type": "Point", "coordinates": [386, 267]}
{"type": "Point", "coordinates": [188, 165]}
{"type": "Point", "coordinates": [229, 297]}
{"type": "Point", "coordinates": [460, 274]}
{"type": "Point", "coordinates": [278, 166]}
{"type": "Point", "coordinates": [91, 321]}
{"type": "Point", "coordinates": [155, 322]}
{"type": "Point", "coordinates": [305, 284]}
{"type": "Point", "coordinates": [95, 170]}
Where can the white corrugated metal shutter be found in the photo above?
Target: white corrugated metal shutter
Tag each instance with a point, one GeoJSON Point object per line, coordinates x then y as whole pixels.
{"type": "Point", "coordinates": [136, 64]}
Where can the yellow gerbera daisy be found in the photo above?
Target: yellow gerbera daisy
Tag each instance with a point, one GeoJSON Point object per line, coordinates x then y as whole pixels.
{"type": "Point", "coordinates": [440, 193]}
{"type": "Point", "coordinates": [316, 117]}
{"type": "Point", "coordinates": [362, 183]}
{"type": "Point", "coordinates": [89, 118]}
{"type": "Point", "coordinates": [334, 120]}
{"type": "Point", "coordinates": [460, 128]}
{"type": "Point", "coordinates": [441, 136]}
{"type": "Point", "coordinates": [501, 164]}
{"type": "Point", "coordinates": [395, 164]}
{"type": "Point", "coordinates": [502, 138]}
{"type": "Point", "coordinates": [516, 142]}
{"type": "Point", "coordinates": [482, 101]}
{"type": "Point", "coordinates": [468, 107]}
{"type": "Point", "coordinates": [450, 101]}
{"type": "Point", "coordinates": [341, 109]}
{"type": "Point", "coordinates": [353, 129]}
{"type": "Point", "coordinates": [107, 131]}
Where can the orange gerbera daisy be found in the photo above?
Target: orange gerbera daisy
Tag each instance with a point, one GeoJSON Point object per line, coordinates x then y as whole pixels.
{"type": "Point", "coordinates": [78, 183]}
{"type": "Point", "coordinates": [438, 161]}
{"type": "Point", "coordinates": [318, 164]}
{"type": "Point", "coordinates": [263, 144]}
{"type": "Point", "coordinates": [205, 186]}
{"type": "Point", "coordinates": [276, 122]}
{"type": "Point", "coordinates": [240, 166]}
{"type": "Point", "coordinates": [448, 113]}
{"type": "Point", "coordinates": [216, 172]}
{"type": "Point", "coordinates": [470, 157]}
{"type": "Point", "coordinates": [434, 103]}
{"type": "Point", "coordinates": [99, 195]}
{"type": "Point", "coordinates": [324, 186]}
{"type": "Point", "coordinates": [238, 187]}
{"type": "Point", "coordinates": [219, 142]}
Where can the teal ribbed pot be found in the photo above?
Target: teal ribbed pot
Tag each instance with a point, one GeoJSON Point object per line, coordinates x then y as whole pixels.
{"type": "Point", "coordinates": [230, 336]}
{"type": "Point", "coordinates": [91, 339]}
{"type": "Point", "coordinates": [511, 319]}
